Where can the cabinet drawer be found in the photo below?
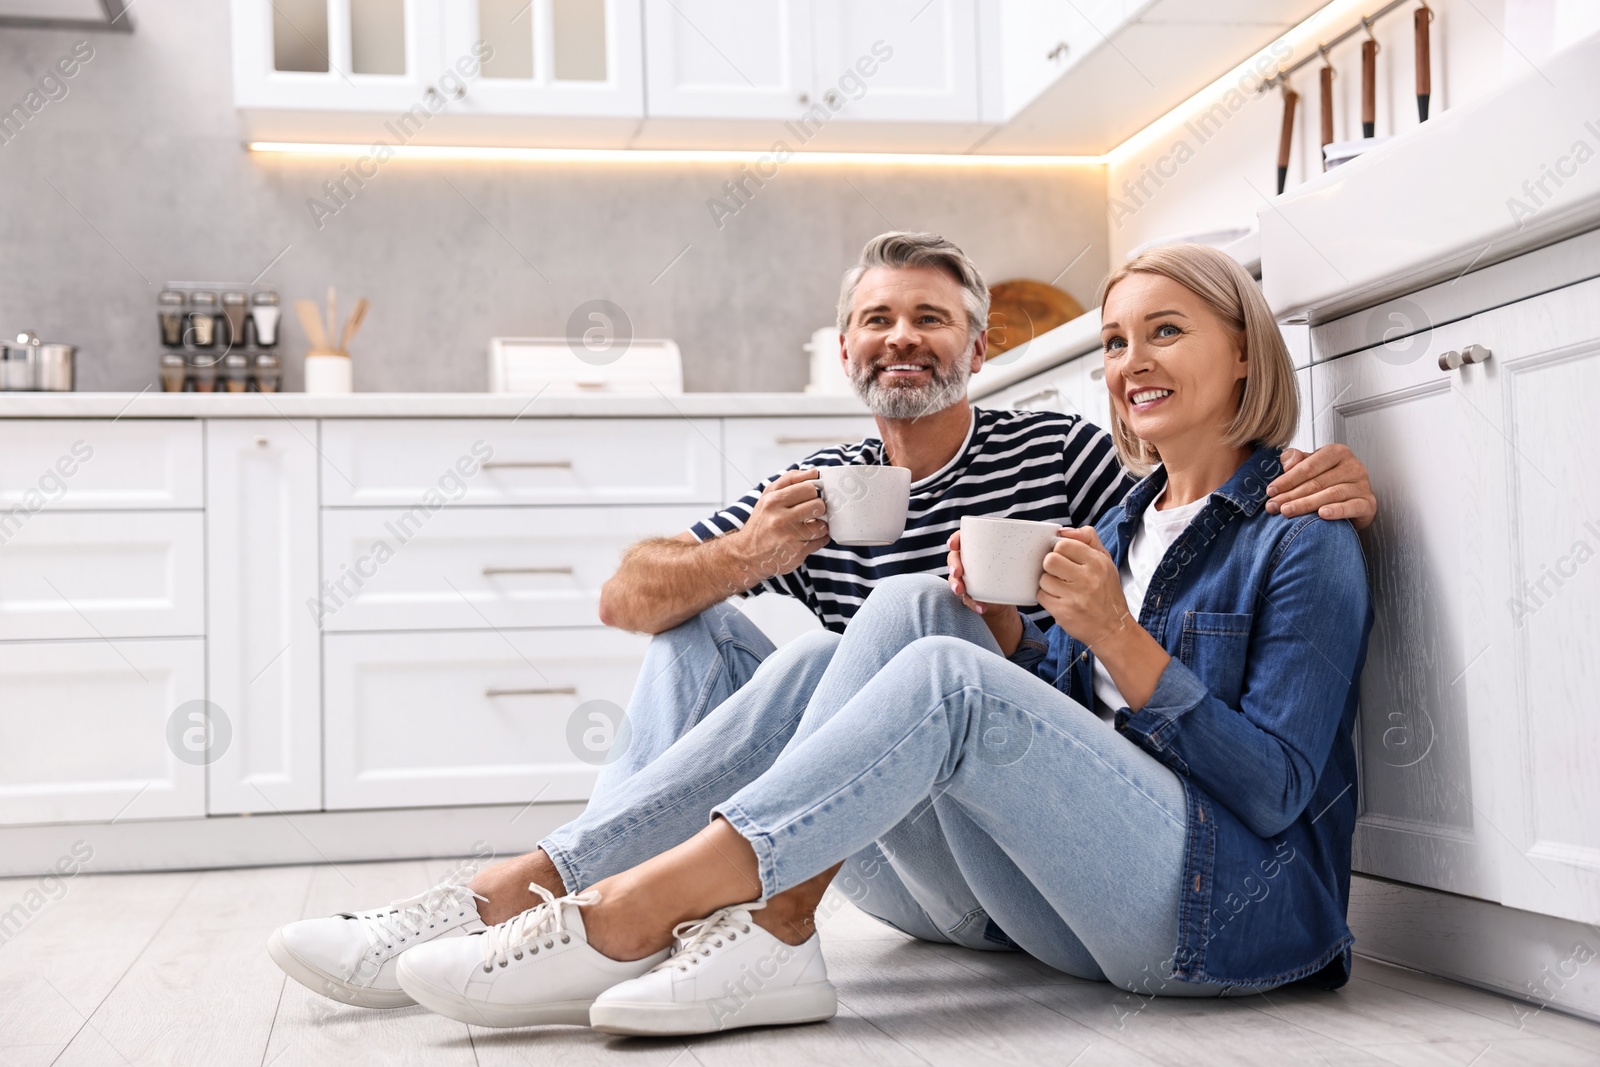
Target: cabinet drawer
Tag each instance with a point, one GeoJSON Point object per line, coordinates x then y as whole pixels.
{"type": "Point", "coordinates": [423, 464]}
{"type": "Point", "coordinates": [79, 464]}
{"type": "Point", "coordinates": [93, 575]}
{"type": "Point", "coordinates": [424, 719]}
{"type": "Point", "coordinates": [474, 568]}
{"type": "Point", "coordinates": [84, 731]}
{"type": "Point", "coordinates": [759, 448]}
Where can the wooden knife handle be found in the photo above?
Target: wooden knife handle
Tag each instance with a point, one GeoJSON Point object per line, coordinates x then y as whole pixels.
{"type": "Point", "coordinates": [1369, 83]}
{"type": "Point", "coordinates": [1325, 84]}
{"type": "Point", "coordinates": [1291, 100]}
{"type": "Point", "coordinates": [1419, 22]}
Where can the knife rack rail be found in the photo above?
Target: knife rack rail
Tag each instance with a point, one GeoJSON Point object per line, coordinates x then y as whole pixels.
{"type": "Point", "coordinates": [1362, 26]}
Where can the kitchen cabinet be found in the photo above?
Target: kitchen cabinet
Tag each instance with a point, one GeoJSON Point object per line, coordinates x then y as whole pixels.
{"type": "Point", "coordinates": [550, 57]}
{"type": "Point", "coordinates": [98, 465]}
{"type": "Point", "coordinates": [340, 55]}
{"type": "Point", "coordinates": [922, 56]}
{"type": "Point", "coordinates": [87, 732]}
{"type": "Point", "coordinates": [756, 448]}
{"type": "Point", "coordinates": [263, 648]}
{"type": "Point", "coordinates": [471, 567]}
{"type": "Point", "coordinates": [728, 59]}
{"type": "Point", "coordinates": [483, 717]}
{"type": "Point", "coordinates": [1480, 753]}
{"type": "Point", "coordinates": [75, 575]}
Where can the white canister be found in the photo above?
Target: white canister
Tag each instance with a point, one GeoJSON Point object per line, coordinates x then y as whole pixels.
{"type": "Point", "coordinates": [328, 373]}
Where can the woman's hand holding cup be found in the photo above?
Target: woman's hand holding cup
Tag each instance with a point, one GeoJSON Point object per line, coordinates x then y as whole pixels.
{"type": "Point", "coordinates": [1081, 588]}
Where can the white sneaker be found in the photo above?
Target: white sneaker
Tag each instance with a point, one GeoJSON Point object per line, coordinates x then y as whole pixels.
{"type": "Point", "coordinates": [724, 973]}
{"type": "Point", "coordinates": [533, 970]}
{"type": "Point", "coordinates": [352, 957]}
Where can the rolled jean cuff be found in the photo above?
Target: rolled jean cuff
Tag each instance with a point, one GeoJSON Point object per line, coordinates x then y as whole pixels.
{"type": "Point", "coordinates": [565, 866]}
{"type": "Point", "coordinates": [760, 843]}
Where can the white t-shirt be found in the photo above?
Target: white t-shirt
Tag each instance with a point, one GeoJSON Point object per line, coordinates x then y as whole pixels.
{"type": "Point", "coordinates": [1156, 533]}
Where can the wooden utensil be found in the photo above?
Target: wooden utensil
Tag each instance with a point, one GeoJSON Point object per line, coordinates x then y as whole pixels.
{"type": "Point", "coordinates": [1369, 86]}
{"type": "Point", "coordinates": [1291, 100]}
{"type": "Point", "coordinates": [1325, 94]}
{"type": "Point", "coordinates": [307, 311]}
{"type": "Point", "coordinates": [1419, 25]}
{"type": "Point", "coordinates": [349, 332]}
{"type": "Point", "coordinates": [1022, 309]}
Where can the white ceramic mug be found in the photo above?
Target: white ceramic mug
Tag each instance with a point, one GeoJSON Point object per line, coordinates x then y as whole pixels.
{"type": "Point", "coordinates": [866, 504]}
{"type": "Point", "coordinates": [1003, 559]}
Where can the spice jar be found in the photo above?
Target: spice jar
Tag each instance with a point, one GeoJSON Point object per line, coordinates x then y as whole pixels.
{"type": "Point", "coordinates": [173, 372]}
{"type": "Point", "coordinates": [264, 316]}
{"type": "Point", "coordinates": [169, 308]}
{"type": "Point", "coordinates": [202, 331]}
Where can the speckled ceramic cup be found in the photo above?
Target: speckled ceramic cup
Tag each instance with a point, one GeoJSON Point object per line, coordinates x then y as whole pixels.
{"type": "Point", "coordinates": [866, 505]}
{"type": "Point", "coordinates": [1004, 558]}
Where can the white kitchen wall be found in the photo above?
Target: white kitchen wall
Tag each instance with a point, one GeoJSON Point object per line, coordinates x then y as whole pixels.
{"type": "Point", "coordinates": [1223, 179]}
{"type": "Point", "coordinates": [134, 175]}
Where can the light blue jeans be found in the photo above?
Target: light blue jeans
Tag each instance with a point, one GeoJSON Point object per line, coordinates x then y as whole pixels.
{"type": "Point", "coordinates": [976, 804]}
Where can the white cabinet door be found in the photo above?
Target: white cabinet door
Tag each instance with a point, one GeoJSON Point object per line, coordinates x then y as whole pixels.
{"type": "Point", "coordinates": [263, 652]}
{"type": "Point", "coordinates": [97, 465]}
{"type": "Point", "coordinates": [1426, 776]}
{"type": "Point", "coordinates": [550, 57]}
{"type": "Point", "coordinates": [87, 731]}
{"type": "Point", "coordinates": [1026, 45]}
{"type": "Point", "coordinates": [728, 58]}
{"type": "Point", "coordinates": [487, 717]}
{"type": "Point", "coordinates": [472, 568]}
{"type": "Point", "coordinates": [341, 55]}
{"type": "Point", "coordinates": [102, 575]}
{"type": "Point", "coordinates": [1535, 600]}
{"type": "Point", "coordinates": [755, 449]}
{"type": "Point", "coordinates": [898, 60]}
{"type": "Point", "coordinates": [424, 465]}
{"type": "Point", "coordinates": [1305, 432]}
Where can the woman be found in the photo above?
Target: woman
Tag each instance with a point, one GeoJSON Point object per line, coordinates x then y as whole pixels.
{"type": "Point", "coordinates": [1158, 793]}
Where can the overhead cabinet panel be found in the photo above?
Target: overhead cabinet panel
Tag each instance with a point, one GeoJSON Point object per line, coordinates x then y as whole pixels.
{"type": "Point", "coordinates": [728, 58]}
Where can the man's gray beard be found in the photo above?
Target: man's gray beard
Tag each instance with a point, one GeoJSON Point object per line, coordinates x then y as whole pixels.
{"type": "Point", "coordinates": [911, 402]}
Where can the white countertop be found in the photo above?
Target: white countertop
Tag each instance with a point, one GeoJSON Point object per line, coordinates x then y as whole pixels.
{"type": "Point", "coordinates": [156, 405]}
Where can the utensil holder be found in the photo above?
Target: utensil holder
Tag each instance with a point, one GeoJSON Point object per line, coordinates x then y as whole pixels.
{"type": "Point", "coordinates": [328, 373]}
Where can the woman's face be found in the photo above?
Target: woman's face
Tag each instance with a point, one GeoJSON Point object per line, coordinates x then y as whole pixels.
{"type": "Point", "coordinates": [1174, 369]}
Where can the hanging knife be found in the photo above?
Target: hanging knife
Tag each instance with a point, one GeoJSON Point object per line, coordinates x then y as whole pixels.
{"type": "Point", "coordinates": [1419, 23]}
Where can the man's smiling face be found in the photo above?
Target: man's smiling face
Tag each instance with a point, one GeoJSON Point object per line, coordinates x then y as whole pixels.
{"type": "Point", "coordinates": [908, 349]}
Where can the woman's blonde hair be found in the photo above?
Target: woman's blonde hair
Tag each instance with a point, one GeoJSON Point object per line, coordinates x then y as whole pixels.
{"type": "Point", "coordinates": [1269, 411]}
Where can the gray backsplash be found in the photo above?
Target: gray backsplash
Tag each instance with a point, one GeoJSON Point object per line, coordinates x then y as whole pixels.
{"type": "Point", "coordinates": [138, 176]}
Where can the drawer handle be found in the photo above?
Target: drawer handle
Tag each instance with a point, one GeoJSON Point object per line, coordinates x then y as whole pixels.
{"type": "Point", "coordinates": [1097, 374]}
{"type": "Point", "coordinates": [544, 464]}
{"type": "Point", "coordinates": [1024, 401]}
{"type": "Point", "coordinates": [809, 441]}
{"type": "Point", "coordinates": [489, 571]}
{"type": "Point", "coordinates": [548, 691]}
{"type": "Point", "coordinates": [1449, 361]}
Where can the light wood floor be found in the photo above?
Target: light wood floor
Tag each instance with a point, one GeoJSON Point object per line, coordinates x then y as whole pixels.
{"type": "Point", "coordinates": [172, 969]}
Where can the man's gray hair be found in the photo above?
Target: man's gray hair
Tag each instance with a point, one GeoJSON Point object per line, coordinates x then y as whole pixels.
{"type": "Point", "coordinates": [899, 249]}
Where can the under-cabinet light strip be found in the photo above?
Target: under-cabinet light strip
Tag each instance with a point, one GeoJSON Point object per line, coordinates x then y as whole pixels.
{"type": "Point", "coordinates": [653, 155]}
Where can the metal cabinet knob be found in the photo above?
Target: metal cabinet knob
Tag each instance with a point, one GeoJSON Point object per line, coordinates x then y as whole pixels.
{"type": "Point", "coordinates": [1475, 354]}
{"type": "Point", "coordinates": [1058, 51]}
{"type": "Point", "coordinates": [1450, 360]}
{"type": "Point", "coordinates": [262, 442]}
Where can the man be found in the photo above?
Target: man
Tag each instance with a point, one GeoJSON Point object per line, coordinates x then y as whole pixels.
{"type": "Point", "coordinates": [911, 319]}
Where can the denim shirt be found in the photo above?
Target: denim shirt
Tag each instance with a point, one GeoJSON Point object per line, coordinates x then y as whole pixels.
{"type": "Point", "coordinates": [1266, 620]}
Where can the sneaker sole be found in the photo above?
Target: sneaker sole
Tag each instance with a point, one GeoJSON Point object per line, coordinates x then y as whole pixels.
{"type": "Point", "coordinates": [334, 988]}
{"type": "Point", "coordinates": [453, 1005]}
{"type": "Point", "coordinates": [811, 1003]}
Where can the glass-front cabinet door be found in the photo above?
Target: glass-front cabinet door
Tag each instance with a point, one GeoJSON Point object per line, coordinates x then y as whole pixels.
{"type": "Point", "coordinates": [548, 57]}
{"type": "Point", "coordinates": [339, 55]}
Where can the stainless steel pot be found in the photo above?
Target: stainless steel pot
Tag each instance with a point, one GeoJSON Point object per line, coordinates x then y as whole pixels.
{"type": "Point", "coordinates": [52, 373]}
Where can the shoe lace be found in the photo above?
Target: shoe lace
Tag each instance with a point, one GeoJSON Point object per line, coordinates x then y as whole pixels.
{"type": "Point", "coordinates": [541, 926]}
{"type": "Point", "coordinates": [409, 917]}
{"type": "Point", "coordinates": [700, 938]}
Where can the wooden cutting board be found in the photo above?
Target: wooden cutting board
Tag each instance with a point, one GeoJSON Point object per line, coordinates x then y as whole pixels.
{"type": "Point", "coordinates": [1022, 309]}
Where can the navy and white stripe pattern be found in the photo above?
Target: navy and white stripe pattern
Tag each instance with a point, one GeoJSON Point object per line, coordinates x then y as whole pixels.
{"type": "Point", "coordinates": [1037, 465]}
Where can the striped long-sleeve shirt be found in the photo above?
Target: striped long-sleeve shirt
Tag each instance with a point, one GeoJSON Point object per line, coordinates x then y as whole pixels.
{"type": "Point", "coordinates": [1014, 464]}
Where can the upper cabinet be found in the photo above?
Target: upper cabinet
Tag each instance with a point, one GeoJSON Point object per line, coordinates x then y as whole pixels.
{"type": "Point", "coordinates": [989, 76]}
{"type": "Point", "coordinates": [548, 57]}
{"type": "Point", "coordinates": [728, 58]}
{"type": "Point", "coordinates": [331, 55]}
